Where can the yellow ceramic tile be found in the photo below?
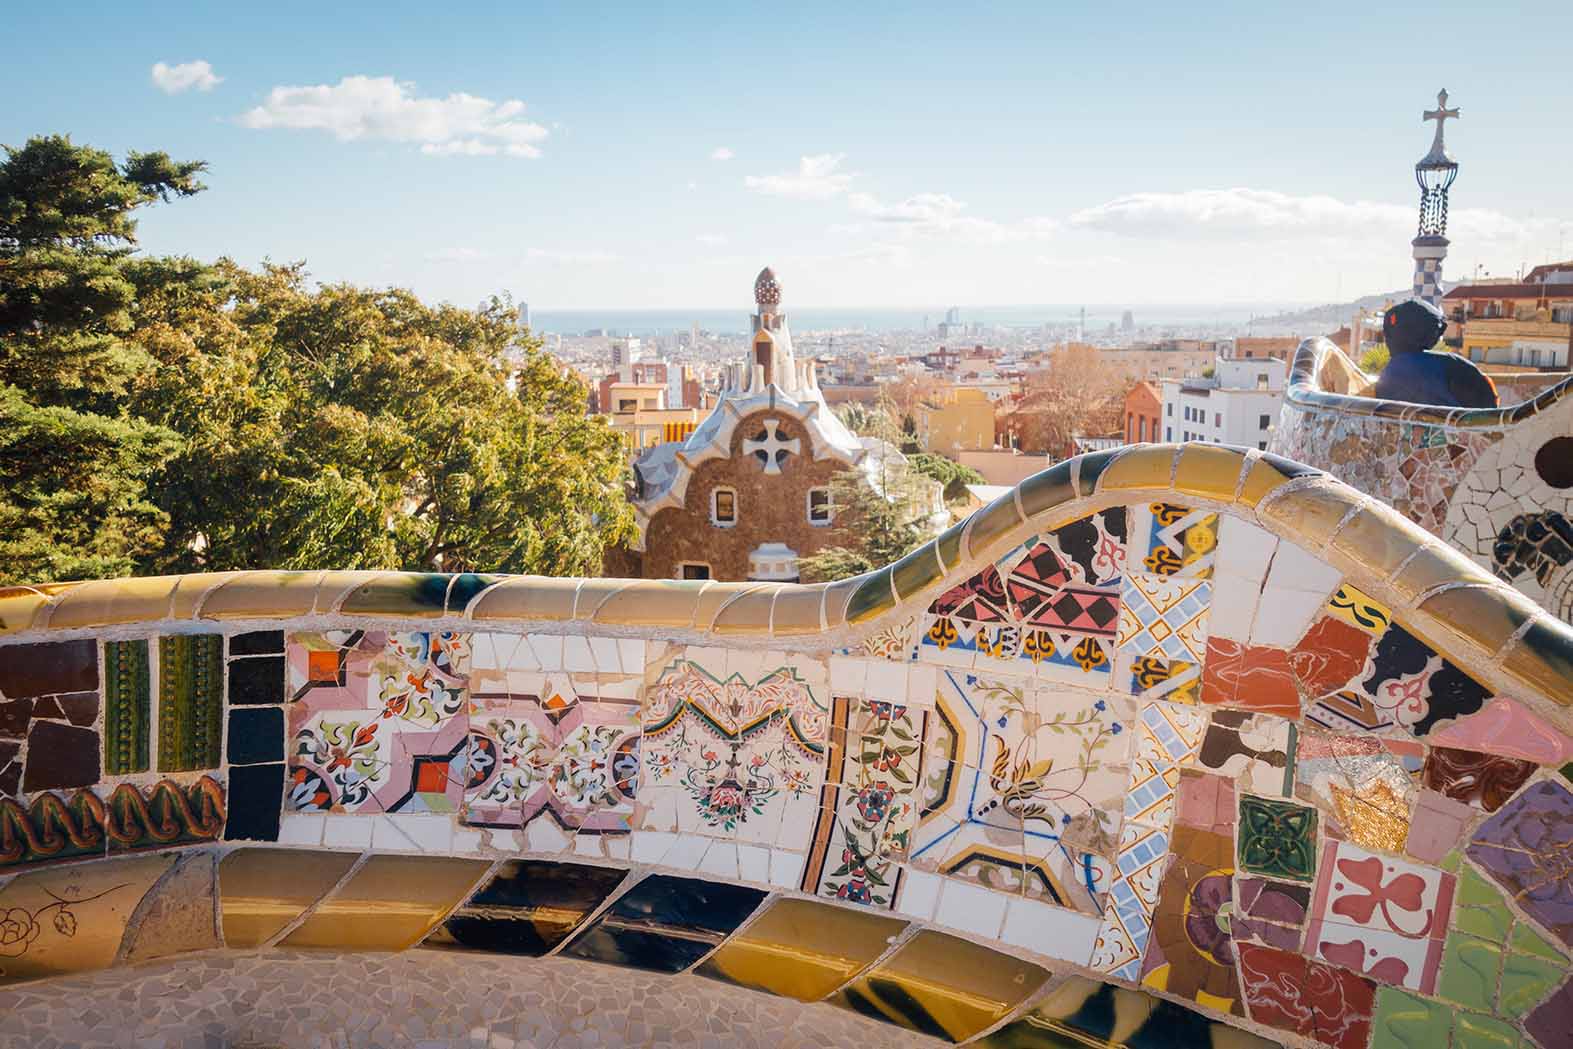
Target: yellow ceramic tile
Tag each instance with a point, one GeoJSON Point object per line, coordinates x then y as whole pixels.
{"type": "Point", "coordinates": [190, 590]}
{"type": "Point", "coordinates": [797, 610]}
{"type": "Point", "coordinates": [1261, 480]}
{"type": "Point", "coordinates": [113, 601]}
{"type": "Point", "coordinates": [333, 588]}
{"type": "Point", "coordinates": [1487, 615]}
{"type": "Point", "coordinates": [1436, 564]}
{"type": "Point", "coordinates": [1543, 660]}
{"type": "Point", "coordinates": [593, 593]}
{"type": "Point", "coordinates": [262, 595]}
{"type": "Point", "coordinates": [1377, 540]}
{"type": "Point", "coordinates": [263, 890]}
{"type": "Point", "coordinates": [399, 594]}
{"type": "Point", "coordinates": [948, 543]}
{"type": "Point", "coordinates": [872, 597]}
{"type": "Point", "coordinates": [1309, 516]}
{"type": "Point", "coordinates": [836, 597]}
{"type": "Point", "coordinates": [1209, 471]}
{"type": "Point", "coordinates": [651, 602]}
{"type": "Point", "coordinates": [1045, 490]}
{"type": "Point", "coordinates": [748, 612]}
{"type": "Point", "coordinates": [959, 986]}
{"type": "Point", "coordinates": [19, 608]}
{"type": "Point", "coordinates": [1140, 467]}
{"type": "Point", "coordinates": [1359, 609]}
{"type": "Point", "coordinates": [989, 524]}
{"type": "Point", "coordinates": [709, 601]}
{"type": "Point", "coordinates": [527, 598]}
{"type": "Point", "coordinates": [389, 904]}
{"type": "Point", "coordinates": [72, 919]}
{"type": "Point", "coordinates": [802, 950]}
{"type": "Point", "coordinates": [915, 571]}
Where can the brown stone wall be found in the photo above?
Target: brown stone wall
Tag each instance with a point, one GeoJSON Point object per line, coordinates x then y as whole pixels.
{"type": "Point", "coordinates": [770, 508]}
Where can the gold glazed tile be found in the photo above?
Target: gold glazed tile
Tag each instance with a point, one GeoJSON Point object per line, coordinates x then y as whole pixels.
{"type": "Point", "coordinates": [333, 587]}
{"type": "Point", "coordinates": [940, 982]}
{"type": "Point", "coordinates": [527, 598]}
{"type": "Point", "coordinates": [989, 524]}
{"type": "Point", "coordinates": [797, 610]}
{"type": "Point", "coordinates": [1309, 516]}
{"type": "Point", "coordinates": [916, 570]}
{"type": "Point", "coordinates": [20, 607]}
{"type": "Point", "coordinates": [802, 950]}
{"type": "Point", "coordinates": [72, 919]}
{"type": "Point", "coordinates": [399, 594]}
{"type": "Point", "coordinates": [651, 602]}
{"type": "Point", "coordinates": [1543, 660]}
{"type": "Point", "coordinates": [948, 543]}
{"type": "Point", "coordinates": [263, 890]}
{"type": "Point", "coordinates": [748, 612]}
{"type": "Point", "coordinates": [1090, 466]}
{"type": "Point", "coordinates": [1045, 490]}
{"type": "Point", "coordinates": [1487, 615]}
{"type": "Point", "coordinates": [389, 904]}
{"type": "Point", "coordinates": [1210, 471]}
{"type": "Point", "coordinates": [1378, 542]}
{"type": "Point", "coordinates": [1435, 564]}
{"type": "Point", "coordinates": [837, 595]}
{"type": "Point", "coordinates": [104, 601]}
{"type": "Point", "coordinates": [1265, 476]}
{"type": "Point", "coordinates": [872, 597]}
{"type": "Point", "coordinates": [262, 595]}
{"type": "Point", "coordinates": [1144, 466]}
{"type": "Point", "coordinates": [190, 590]}
{"type": "Point", "coordinates": [593, 593]}
{"type": "Point", "coordinates": [712, 599]}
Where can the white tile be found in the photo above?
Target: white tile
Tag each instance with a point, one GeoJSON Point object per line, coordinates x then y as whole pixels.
{"type": "Point", "coordinates": [687, 851]}
{"type": "Point", "coordinates": [786, 868]}
{"type": "Point", "coordinates": [470, 840]}
{"type": "Point", "coordinates": [1243, 548]}
{"type": "Point", "coordinates": [1283, 616]}
{"type": "Point", "coordinates": [1295, 569]}
{"type": "Point", "coordinates": [548, 650]}
{"type": "Point", "coordinates": [847, 675]}
{"type": "Point", "coordinates": [1234, 606]}
{"type": "Point", "coordinates": [301, 828]}
{"type": "Point", "coordinates": [971, 908]}
{"type": "Point", "coordinates": [887, 680]}
{"type": "Point", "coordinates": [544, 835]}
{"type": "Point", "coordinates": [919, 894]}
{"type": "Point", "coordinates": [628, 689]}
{"type": "Point", "coordinates": [577, 657]}
{"type": "Point", "coordinates": [631, 654]}
{"type": "Point", "coordinates": [342, 832]}
{"type": "Point", "coordinates": [720, 861]}
{"type": "Point", "coordinates": [651, 846]}
{"type": "Point", "coordinates": [604, 651]}
{"type": "Point", "coordinates": [426, 833]}
{"type": "Point", "coordinates": [587, 845]}
{"type": "Point", "coordinates": [753, 864]}
{"type": "Point", "coordinates": [1050, 930]}
{"type": "Point", "coordinates": [616, 846]}
{"type": "Point", "coordinates": [922, 684]}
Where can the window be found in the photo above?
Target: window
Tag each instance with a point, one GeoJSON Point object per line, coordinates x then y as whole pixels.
{"type": "Point", "coordinates": [1562, 314]}
{"type": "Point", "coordinates": [723, 507]}
{"type": "Point", "coordinates": [1263, 422]}
{"type": "Point", "coordinates": [819, 506]}
{"type": "Point", "coordinates": [1262, 445]}
{"type": "Point", "coordinates": [1168, 409]}
{"type": "Point", "coordinates": [1141, 428]}
{"type": "Point", "coordinates": [627, 404]}
{"type": "Point", "coordinates": [693, 570]}
{"type": "Point", "coordinates": [1217, 418]}
{"type": "Point", "coordinates": [1168, 433]}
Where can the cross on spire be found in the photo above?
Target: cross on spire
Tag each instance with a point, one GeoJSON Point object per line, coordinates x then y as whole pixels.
{"type": "Point", "coordinates": [1441, 114]}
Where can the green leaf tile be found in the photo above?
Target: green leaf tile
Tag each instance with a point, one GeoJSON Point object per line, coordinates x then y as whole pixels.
{"type": "Point", "coordinates": [1525, 981]}
{"type": "Point", "coordinates": [1277, 838]}
{"type": "Point", "coordinates": [1527, 940]}
{"type": "Point", "coordinates": [1452, 862]}
{"type": "Point", "coordinates": [1482, 1032]}
{"type": "Point", "coordinates": [1474, 891]}
{"type": "Point", "coordinates": [1408, 1021]}
{"type": "Point", "coordinates": [1469, 971]}
{"type": "Point", "coordinates": [1489, 922]}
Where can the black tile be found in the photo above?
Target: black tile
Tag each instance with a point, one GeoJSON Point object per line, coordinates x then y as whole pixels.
{"type": "Point", "coordinates": [60, 756]}
{"type": "Point", "coordinates": [48, 668]}
{"type": "Point", "coordinates": [528, 908]}
{"type": "Point", "coordinates": [257, 643]}
{"type": "Point", "coordinates": [259, 680]}
{"type": "Point", "coordinates": [14, 716]}
{"type": "Point", "coordinates": [666, 924]}
{"type": "Point", "coordinates": [256, 798]}
{"type": "Point", "coordinates": [256, 734]}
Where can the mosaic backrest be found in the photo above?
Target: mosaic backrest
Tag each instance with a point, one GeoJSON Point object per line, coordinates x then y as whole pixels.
{"type": "Point", "coordinates": [1168, 745]}
{"type": "Point", "coordinates": [1496, 483]}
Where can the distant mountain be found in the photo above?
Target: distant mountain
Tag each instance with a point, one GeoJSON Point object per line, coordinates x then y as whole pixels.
{"type": "Point", "coordinates": [1334, 315]}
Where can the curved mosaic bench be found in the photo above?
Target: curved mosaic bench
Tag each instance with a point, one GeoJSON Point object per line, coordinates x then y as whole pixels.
{"type": "Point", "coordinates": [1168, 745]}
{"type": "Point", "coordinates": [1496, 483]}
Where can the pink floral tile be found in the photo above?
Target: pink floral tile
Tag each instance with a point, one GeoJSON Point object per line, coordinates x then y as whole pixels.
{"type": "Point", "coordinates": [1382, 917]}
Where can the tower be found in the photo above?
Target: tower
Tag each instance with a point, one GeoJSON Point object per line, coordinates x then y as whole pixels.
{"type": "Point", "coordinates": [1435, 173]}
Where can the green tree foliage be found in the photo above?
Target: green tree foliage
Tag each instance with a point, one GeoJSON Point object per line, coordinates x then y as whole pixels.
{"type": "Point", "coordinates": [879, 516]}
{"type": "Point", "coordinates": [953, 475]}
{"type": "Point", "coordinates": [195, 417]}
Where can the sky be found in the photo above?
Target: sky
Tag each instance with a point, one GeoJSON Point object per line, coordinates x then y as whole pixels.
{"type": "Point", "coordinates": [647, 156]}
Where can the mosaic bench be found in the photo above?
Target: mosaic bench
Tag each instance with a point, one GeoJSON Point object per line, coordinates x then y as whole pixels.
{"type": "Point", "coordinates": [1170, 745]}
{"type": "Point", "coordinates": [1496, 483]}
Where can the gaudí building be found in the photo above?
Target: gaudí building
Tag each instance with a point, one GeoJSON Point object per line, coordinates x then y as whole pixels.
{"type": "Point", "coordinates": [749, 492]}
{"type": "Point", "coordinates": [1169, 745]}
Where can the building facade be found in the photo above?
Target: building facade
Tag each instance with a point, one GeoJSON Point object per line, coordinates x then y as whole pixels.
{"type": "Point", "coordinates": [958, 419]}
{"type": "Point", "coordinates": [1526, 323]}
{"type": "Point", "coordinates": [1238, 404]}
{"type": "Point", "coordinates": [1143, 413]}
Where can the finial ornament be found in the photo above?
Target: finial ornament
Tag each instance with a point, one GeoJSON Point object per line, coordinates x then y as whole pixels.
{"type": "Point", "coordinates": [1441, 114]}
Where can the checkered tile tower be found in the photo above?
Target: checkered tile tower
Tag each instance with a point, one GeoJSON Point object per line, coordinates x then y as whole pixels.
{"type": "Point", "coordinates": [1434, 173]}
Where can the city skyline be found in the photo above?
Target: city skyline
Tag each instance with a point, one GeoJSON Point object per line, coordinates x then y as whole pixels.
{"type": "Point", "coordinates": [642, 160]}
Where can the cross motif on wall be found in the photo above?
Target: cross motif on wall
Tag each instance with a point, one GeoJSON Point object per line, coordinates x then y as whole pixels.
{"type": "Point", "coordinates": [1441, 114]}
{"type": "Point", "coordinates": [769, 446]}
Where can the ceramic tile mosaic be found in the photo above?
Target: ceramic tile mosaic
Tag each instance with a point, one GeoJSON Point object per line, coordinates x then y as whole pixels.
{"type": "Point", "coordinates": [1079, 1012]}
{"type": "Point", "coordinates": [802, 950]}
{"type": "Point", "coordinates": [665, 924]}
{"type": "Point", "coordinates": [1527, 847]}
{"type": "Point", "coordinates": [527, 907]}
{"type": "Point", "coordinates": [190, 701]}
{"type": "Point", "coordinates": [1381, 917]}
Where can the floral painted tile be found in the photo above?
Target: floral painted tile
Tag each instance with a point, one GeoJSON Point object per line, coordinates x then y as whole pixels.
{"type": "Point", "coordinates": [731, 756]}
{"type": "Point", "coordinates": [1527, 847]}
{"type": "Point", "coordinates": [1484, 781]}
{"type": "Point", "coordinates": [1190, 952]}
{"type": "Point", "coordinates": [1252, 749]}
{"type": "Point", "coordinates": [1277, 838]}
{"type": "Point", "coordinates": [1171, 680]}
{"type": "Point", "coordinates": [1383, 917]}
{"type": "Point", "coordinates": [1175, 540]}
{"type": "Point", "coordinates": [1293, 993]}
{"type": "Point", "coordinates": [1165, 617]}
{"type": "Point", "coordinates": [1252, 676]}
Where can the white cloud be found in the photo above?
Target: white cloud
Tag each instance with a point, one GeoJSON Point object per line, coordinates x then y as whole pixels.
{"type": "Point", "coordinates": [1254, 214]}
{"type": "Point", "coordinates": [587, 257]}
{"type": "Point", "coordinates": [382, 108]}
{"type": "Point", "coordinates": [722, 153]}
{"type": "Point", "coordinates": [172, 80]}
{"type": "Point", "coordinates": [940, 214]}
{"type": "Point", "coordinates": [711, 239]}
{"type": "Point", "coordinates": [816, 178]}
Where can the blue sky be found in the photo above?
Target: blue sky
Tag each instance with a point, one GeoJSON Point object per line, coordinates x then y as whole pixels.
{"type": "Point", "coordinates": [918, 155]}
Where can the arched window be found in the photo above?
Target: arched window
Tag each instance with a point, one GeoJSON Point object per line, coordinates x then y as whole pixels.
{"type": "Point", "coordinates": [723, 507]}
